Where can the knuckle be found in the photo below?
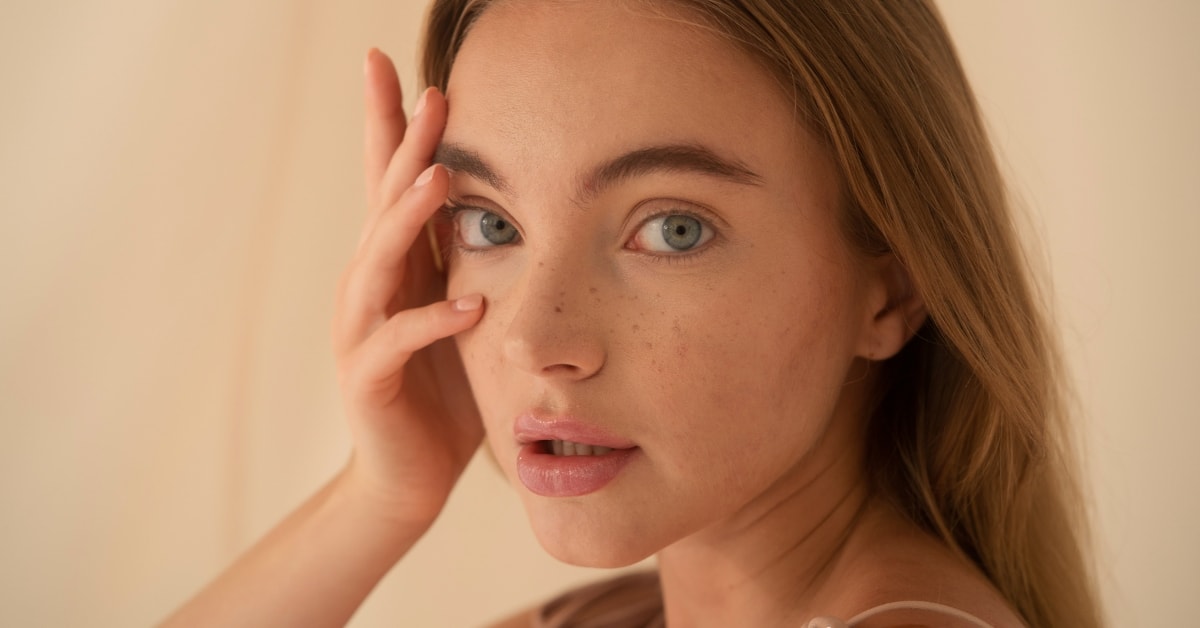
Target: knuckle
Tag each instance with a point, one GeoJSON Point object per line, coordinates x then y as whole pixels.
{"type": "Point", "coordinates": [383, 236]}
{"type": "Point", "coordinates": [364, 386]}
{"type": "Point", "coordinates": [388, 218]}
{"type": "Point", "coordinates": [403, 327]}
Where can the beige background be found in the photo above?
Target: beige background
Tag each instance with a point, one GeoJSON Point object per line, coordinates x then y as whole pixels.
{"type": "Point", "coordinates": [181, 186]}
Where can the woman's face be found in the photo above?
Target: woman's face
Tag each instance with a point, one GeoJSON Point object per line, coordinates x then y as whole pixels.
{"type": "Point", "coordinates": [658, 245]}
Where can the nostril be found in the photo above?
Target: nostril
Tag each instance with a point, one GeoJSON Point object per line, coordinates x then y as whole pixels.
{"type": "Point", "coordinates": [543, 340]}
{"type": "Point", "coordinates": [561, 369]}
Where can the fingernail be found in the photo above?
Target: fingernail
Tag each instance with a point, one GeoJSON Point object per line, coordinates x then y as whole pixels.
{"type": "Point", "coordinates": [425, 177]}
{"type": "Point", "coordinates": [467, 304]}
{"type": "Point", "coordinates": [421, 104]}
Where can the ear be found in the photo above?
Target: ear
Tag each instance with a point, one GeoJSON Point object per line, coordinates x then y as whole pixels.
{"type": "Point", "coordinates": [895, 311]}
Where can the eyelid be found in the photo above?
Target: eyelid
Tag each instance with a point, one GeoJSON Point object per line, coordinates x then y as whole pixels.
{"type": "Point", "coordinates": [643, 212]}
{"type": "Point", "coordinates": [454, 206]}
{"type": "Point", "coordinates": [449, 212]}
{"type": "Point", "coordinates": [667, 206]}
{"type": "Point", "coordinates": [673, 207]}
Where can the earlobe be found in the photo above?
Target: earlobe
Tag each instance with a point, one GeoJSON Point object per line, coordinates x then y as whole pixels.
{"type": "Point", "coordinates": [895, 311]}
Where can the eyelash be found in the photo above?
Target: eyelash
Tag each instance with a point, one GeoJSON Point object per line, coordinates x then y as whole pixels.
{"type": "Point", "coordinates": [681, 257]}
{"type": "Point", "coordinates": [448, 214]}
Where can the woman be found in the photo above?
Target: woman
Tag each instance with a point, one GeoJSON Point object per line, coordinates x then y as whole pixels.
{"type": "Point", "coordinates": [730, 282]}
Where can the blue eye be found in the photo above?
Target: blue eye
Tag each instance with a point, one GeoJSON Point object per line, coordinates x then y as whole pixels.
{"type": "Point", "coordinates": [482, 229]}
{"type": "Point", "coordinates": [672, 233]}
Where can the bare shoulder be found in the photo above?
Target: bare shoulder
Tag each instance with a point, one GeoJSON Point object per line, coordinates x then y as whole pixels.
{"type": "Point", "coordinates": [523, 619]}
{"type": "Point", "coordinates": [902, 576]}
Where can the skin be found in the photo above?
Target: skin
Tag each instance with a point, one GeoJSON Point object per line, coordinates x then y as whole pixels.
{"type": "Point", "coordinates": [725, 364]}
{"type": "Point", "coordinates": [741, 370]}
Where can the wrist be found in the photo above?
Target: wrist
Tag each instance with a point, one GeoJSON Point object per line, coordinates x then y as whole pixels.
{"type": "Point", "coordinates": [358, 491]}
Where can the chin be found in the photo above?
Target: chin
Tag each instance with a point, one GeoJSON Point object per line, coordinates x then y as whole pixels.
{"type": "Point", "coordinates": [591, 541]}
{"type": "Point", "coordinates": [584, 554]}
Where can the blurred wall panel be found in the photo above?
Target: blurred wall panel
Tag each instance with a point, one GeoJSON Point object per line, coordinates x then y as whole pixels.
{"type": "Point", "coordinates": [1093, 106]}
{"type": "Point", "coordinates": [180, 187]}
{"type": "Point", "coordinates": [141, 162]}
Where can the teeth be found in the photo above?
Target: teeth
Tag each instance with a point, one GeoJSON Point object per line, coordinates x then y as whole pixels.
{"type": "Point", "coordinates": [568, 448]}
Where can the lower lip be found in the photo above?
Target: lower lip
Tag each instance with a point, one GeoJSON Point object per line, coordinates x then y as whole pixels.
{"type": "Point", "coordinates": [568, 476]}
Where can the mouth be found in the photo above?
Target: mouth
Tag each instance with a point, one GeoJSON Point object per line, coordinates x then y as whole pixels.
{"type": "Point", "coordinates": [564, 456]}
{"type": "Point", "coordinates": [567, 436]}
{"type": "Point", "coordinates": [570, 448]}
{"type": "Point", "coordinates": [563, 468]}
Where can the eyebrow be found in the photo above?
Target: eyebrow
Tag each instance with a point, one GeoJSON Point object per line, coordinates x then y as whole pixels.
{"type": "Point", "coordinates": [675, 158]}
{"type": "Point", "coordinates": [463, 160]}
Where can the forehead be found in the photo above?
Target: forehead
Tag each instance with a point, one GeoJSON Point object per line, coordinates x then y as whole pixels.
{"type": "Point", "coordinates": [574, 80]}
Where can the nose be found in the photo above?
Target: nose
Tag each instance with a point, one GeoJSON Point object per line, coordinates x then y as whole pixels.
{"type": "Point", "coordinates": [556, 330]}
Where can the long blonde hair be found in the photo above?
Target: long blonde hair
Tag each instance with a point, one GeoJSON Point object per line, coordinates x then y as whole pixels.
{"type": "Point", "coordinates": [970, 438]}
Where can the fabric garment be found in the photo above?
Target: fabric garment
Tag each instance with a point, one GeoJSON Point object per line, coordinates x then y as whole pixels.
{"type": "Point", "coordinates": [635, 601]}
{"type": "Point", "coordinates": [629, 601]}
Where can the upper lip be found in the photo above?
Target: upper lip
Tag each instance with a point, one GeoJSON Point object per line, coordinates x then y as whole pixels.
{"type": "Point", "coordinates": [530, 427]}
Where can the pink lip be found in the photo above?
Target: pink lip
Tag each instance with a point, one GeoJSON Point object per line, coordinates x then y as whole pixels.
{"type": "Point", "coordinates": [530, 428]}
{"type": "Point", "coordinates": [567, 476]}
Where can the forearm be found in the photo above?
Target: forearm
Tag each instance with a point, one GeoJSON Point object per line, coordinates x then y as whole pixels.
{"type": "Point", "coordinates": [314, 569]}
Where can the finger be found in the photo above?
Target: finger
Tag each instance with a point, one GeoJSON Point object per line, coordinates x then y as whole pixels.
{"type": "Point", "coordinates": [420, 143]}
{"type": "Point", "coordinates": [378, 271]}
{"type": "Point", "coordinates": [373, 372]}
{"type": "Point", "coordinates": [414, 154]}
{"type": "Point", "coordinates": [384, 122]}
{"type": "Point", "coordinates": [426, 265]}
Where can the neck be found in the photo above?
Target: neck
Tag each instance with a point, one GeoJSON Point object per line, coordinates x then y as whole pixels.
{"type": "Point", "coordinates": [770, 562]}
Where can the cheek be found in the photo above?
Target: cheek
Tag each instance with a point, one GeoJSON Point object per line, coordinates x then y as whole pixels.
{"type": "Point", "coordinates": [479, 351]}
{"type": "Point", "coordinates": [756, 370]}
{"type": "Point", "coordinates": [480, 346]}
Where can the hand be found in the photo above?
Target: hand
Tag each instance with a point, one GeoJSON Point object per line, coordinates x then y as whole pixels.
{"type": "Point", "coordinates": [412, 417]}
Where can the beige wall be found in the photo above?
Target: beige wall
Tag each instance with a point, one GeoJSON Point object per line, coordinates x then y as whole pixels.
{"type": "Point", "coordinates": [180, 186]}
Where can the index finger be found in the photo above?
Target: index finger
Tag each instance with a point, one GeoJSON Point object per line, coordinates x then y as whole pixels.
{"type": "Point", "coordinates": [384, 122]}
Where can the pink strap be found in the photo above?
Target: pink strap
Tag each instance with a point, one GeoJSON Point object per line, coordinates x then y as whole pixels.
{"type": "Point", "coordinates": [912, 605]}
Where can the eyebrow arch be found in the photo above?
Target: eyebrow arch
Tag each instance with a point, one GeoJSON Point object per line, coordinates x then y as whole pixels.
{"type": "Point", "coordinates": [678, 158]}
{"type": "Point", "coordinates": [466, 161]}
